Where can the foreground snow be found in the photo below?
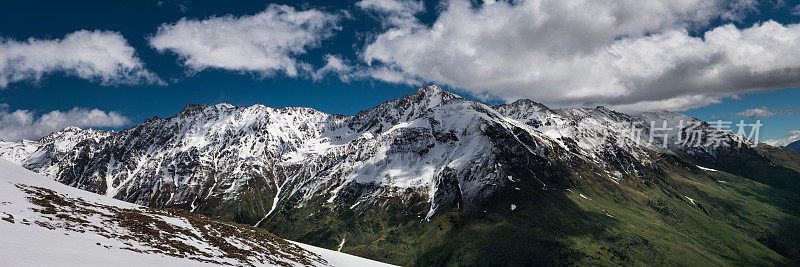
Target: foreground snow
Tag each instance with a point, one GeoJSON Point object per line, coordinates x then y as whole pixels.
{"type": "Point", "coordinates": [46, 223]}
{"type": "Point", "coordinates": [336, 258]}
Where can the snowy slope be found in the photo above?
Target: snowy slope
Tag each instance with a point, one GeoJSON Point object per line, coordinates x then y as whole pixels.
{"type": "Point", "coordinates": [17, 152]}
{"type": "Point", "coordinates": [336, 258]}
{"type": "Point", "coordinates": [48, 223]}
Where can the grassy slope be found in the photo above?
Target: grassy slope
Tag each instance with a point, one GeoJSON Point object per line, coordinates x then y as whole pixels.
{"type": "Point", "coordinates": [733, 223]}
{"type": "Point", "coordinates": [736, 221]}
{"type": "Point", "coordinates": [729, 220]}
{"type": "Point", "coordinates": [780, 156]}
{"type": "Point", "coordinates": [733, 220]}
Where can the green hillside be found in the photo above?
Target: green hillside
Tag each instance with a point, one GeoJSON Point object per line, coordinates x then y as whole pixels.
{"type": "Point", "coordinates": [681, 215]}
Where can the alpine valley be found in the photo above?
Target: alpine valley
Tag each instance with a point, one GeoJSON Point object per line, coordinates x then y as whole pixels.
{"type": "Point", "coordinates": [436, 179]}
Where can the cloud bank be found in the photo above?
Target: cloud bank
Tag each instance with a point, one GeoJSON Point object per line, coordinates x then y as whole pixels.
{"type": "Point", "coordinates": [23, 124]}
{"type": "Point", "coordinates": [762, 112]}
{"type": "Point", "coordinates": [101, 56]}
{"type": "Point", "coordinates": [632, 55]}
{"type": "Point", "coordinates": [791, 137]}
{"type": "Point", "coordinates": [265, 43]}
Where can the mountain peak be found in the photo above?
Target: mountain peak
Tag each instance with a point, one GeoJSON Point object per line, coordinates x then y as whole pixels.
{"type": "Point", "coordinates": [430, 89]}
{"type": "Point", "coordinates": [224, 105]}
{"type": "Point", "coordinates": [601, 108]}
{"type": "Point", "coordinates": [189, 108]}
{"type": "Point", "coordinates": [72, 129]}
{"type": "Point", "coordinates": [192, 107]}
{"type": "Point", "coordinates": [433, 92]}
{"type": "Point", "coordinates": [528, 104]}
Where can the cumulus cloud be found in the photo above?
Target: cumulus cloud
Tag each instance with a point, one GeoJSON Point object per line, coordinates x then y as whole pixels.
{"type": "Point", "coordinates": [24, 124]}
{"type": "Point", "coordinates": [265, 43]}
{"type": "Point", "coordinates": [100, 56]}
{"type": "Point", "coordinates": [632, 55]}
{"type": "Point", "coordinates": [790, 137]}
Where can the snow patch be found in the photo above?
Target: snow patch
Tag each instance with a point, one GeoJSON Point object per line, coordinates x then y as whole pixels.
{"type": "Point", "coordinates": [706, 169]}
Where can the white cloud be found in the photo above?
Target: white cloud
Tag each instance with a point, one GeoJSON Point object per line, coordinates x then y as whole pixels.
{"type": "Point", "coordinates": [738, 9]}
{"type": "Point", "coordinates": [336, 65]}
{"type": "Point", "coordinates": [394, 12]}
{"type": "Point", "coordinates": [631, 55]}
{"type": "Point", "coordinates": [100, 56]}
{"type": "Point", "coordinates": [390, 75]}
{"type": "Point", "coordinates": [264, 43]}
{"type": "Point", "coordinates": [392, 6]}
{"type": "Point", "coordinates": [791, 137]}
{"type": "Point", "coordinates": [23, 124]}
{"type": "Point", "coordinates": [762, 112]}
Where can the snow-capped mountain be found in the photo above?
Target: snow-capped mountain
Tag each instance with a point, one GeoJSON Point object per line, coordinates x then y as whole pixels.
{"type": "Point", "coordinates": [377, 184]}
{"type": "Point", "coordinates": [43, 222]}
{"type": "Point", "coordinates": [431, 148]}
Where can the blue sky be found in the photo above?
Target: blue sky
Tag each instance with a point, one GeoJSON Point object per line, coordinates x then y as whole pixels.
{"type": "Point", "coordinates": [381, 68]}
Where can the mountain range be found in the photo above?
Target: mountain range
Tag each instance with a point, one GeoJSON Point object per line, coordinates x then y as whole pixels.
{"type": "Point", "coordinates": [433, 178]}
